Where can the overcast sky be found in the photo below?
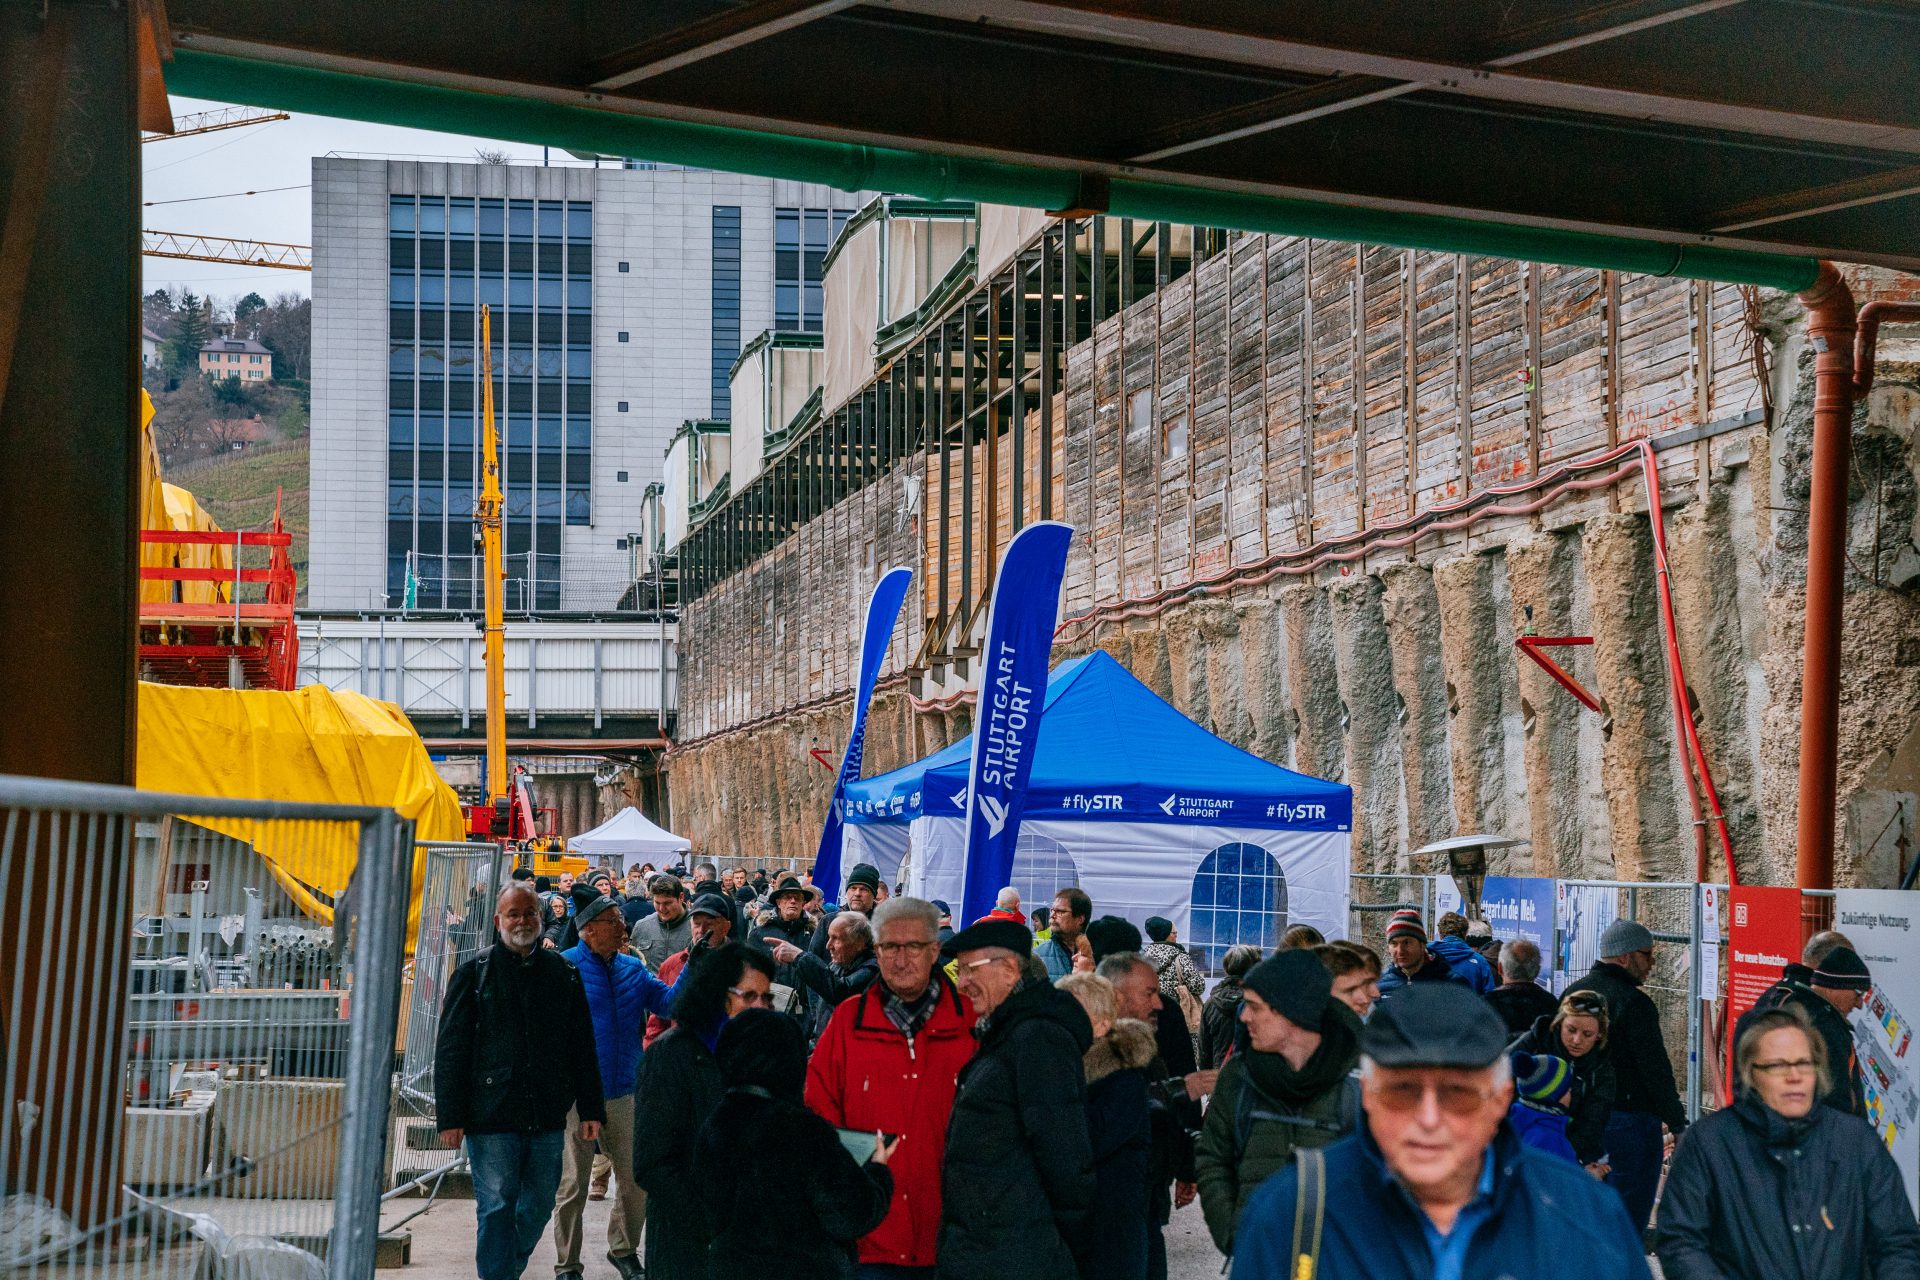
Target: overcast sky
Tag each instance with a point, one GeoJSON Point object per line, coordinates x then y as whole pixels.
{"type": "Point", "coordinates": [256, 158]}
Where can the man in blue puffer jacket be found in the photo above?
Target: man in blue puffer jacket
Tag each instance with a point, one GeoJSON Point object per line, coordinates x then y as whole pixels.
{"type": "Point", "coordinates": [620, 995]}
{"type": "Point", "coordinates": [1452, 946]}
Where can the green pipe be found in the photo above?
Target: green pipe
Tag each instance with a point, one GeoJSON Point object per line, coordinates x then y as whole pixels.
{"type": "Point", "coordinates": [854, 167]}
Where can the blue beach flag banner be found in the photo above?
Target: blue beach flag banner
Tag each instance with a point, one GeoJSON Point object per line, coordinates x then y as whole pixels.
{"type": "Point", "coordinates": [883, 610]}
{"type": "Point", "coordinates": [1013, 680]}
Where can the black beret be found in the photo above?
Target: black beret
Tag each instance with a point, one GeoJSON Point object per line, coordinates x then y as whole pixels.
{"type": "Point", "coordinates": [1434, 1024]}
{"type": "Point", "coordinates": [1009, 935]}
{"type": "Point", "coordinates": [711, 904]}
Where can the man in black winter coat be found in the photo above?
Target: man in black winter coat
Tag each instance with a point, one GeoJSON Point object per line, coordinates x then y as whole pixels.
{"type": "Point", "coordinates": [1779, 1184]}
{"type": "Point", "coordinates": [514, 1054]}
{"type": "Point", "coordinates": [1828, 995]}
{"type": "Point", "coordinates": [1646, 1096]}
{"type": "Point", "coordinates": [1017, 1180]}
{"type": "Point", "coordinates": [788, 924]}
{"type": "Point", "coordinates": [1520, 1000]}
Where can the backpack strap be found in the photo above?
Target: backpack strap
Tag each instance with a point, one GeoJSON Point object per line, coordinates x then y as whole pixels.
{"type": "Point", "coordinates": [1309, 1213]}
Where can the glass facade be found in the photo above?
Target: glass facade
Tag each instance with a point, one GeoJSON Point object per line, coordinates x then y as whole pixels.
{"type": "Point", "coordinates": [726, 304]}
{"type": "Point", "coordinates": [800, 240]}
{"type": "Point", "coordinates": [532, 263]}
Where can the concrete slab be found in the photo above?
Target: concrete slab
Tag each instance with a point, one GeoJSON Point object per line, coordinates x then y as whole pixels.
{"type": "Point", "coordinates": [166, 1147]}
{"type": "Point", "coordinates": [261, 1118]}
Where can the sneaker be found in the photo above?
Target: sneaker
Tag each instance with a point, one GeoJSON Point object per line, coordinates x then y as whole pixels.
{"type": "Point", "coordinates": [597, 1189]}
{"type": "Point", "coordinates": [628, 1266]}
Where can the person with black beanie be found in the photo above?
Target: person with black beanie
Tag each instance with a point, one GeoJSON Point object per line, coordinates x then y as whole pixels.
{"type": "Point", "coordinates": [828, 1199]}
{"type": "Point", "coordinates": [1292, 1086]}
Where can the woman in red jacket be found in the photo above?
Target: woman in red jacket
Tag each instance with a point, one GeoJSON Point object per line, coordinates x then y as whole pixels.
{"type": "Point", "coordinates": [888, 1061]}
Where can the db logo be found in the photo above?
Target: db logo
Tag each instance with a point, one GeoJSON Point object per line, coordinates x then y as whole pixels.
{"type": "Point", "coordinates": [1739, 915]}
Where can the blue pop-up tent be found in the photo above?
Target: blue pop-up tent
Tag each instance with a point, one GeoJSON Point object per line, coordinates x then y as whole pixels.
{"type": "Point", "coordinates": [1145, 810]}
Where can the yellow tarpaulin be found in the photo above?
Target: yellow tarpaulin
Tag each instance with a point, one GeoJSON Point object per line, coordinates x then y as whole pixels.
{"type": "Point", "coordinates": [313, 744]}
{"type": "Point", "coordinates": [168, 506]}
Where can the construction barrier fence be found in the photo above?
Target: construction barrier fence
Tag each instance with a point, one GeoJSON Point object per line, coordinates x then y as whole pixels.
{"type": "Point", "coordinates": [196, 1076]}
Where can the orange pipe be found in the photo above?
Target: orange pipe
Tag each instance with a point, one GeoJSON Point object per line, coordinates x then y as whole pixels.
{"type": "Point", "coordinates": [1831, 328]}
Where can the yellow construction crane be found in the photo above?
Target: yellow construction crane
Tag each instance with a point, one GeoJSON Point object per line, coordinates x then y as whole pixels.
{"type": "Point", "coordinates": [246, 253]}
{"type": "Point", "coordinates": [215, 121]}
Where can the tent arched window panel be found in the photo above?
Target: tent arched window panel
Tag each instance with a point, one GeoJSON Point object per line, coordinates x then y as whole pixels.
{"type": "Point", "coordinates": [1239, 895]}
{"type": "Point", "coordinates": [1042, 867]}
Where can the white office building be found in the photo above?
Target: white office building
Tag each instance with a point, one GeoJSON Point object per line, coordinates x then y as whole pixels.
{"type": "Point", "coordinates": [620, 297]}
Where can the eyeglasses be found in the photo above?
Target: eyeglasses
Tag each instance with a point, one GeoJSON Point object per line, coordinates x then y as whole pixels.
{"type": "Point", "coordinates": [908, 948]}
{"type": "Point", "coordinates": [1799, 1066]}
{"type": "Point", "coordinates": [1455, 1098]}
{"type": "Point", "coordinates": [750, 998]}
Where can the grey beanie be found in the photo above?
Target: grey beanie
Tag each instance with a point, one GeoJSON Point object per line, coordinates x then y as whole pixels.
{"type": "Point", "coordinates": [1624, 937]}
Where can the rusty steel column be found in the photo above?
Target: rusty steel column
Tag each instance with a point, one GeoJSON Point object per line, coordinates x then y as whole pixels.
{"type": "Point", "coordinates": [1830, 328]}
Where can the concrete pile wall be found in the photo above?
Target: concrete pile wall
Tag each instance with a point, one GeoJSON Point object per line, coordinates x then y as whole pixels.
{"type": "Point", "coordinates": [1212, 433]}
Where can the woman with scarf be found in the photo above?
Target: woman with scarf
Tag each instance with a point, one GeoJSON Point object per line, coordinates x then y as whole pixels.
{"type": "Point", "coordinates": [679, 1085]}
{"type": "Point", "coordinates": [1291, 1086]}
{"type": "Point", "coordinates": [827, 1198]}
{"type": "Point", "coordinates": [1780, 1184]}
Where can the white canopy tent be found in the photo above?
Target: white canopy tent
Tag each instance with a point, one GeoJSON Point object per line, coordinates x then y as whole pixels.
{"type": "Point", "coordinates": [631, 837]}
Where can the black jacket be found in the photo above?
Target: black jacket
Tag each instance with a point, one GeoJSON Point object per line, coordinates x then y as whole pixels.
{"type": "Point", "coordinates": [799, 933]}
{"type": "Point", "coordinates": [1521, 1004]}
{"type": "Point", "coordinates": [822, 1201]}
{"type": "Point", "coordinates": [1016, 1183]}
{"type": "Point", "coordinates": [1120, 1129]}
{"type": "Point", "coordinates": [1218, 1018]}
{"type": "Point", "coordinates": [1643, 1073]}
{"type": "Point", "coordinates": [1594, 1094]}
{"type": "Point", "coordinates": [1753, 1196]}
{"type": "Point", "coordinates": [828, 984]}
{"type": "Point", "coordinates": [678, 1088]}
{"type": "Point", "coordinates": [515, 1049]}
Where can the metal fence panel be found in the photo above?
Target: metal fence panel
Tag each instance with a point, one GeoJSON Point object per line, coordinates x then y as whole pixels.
{"type": "Point", "coordinates": [194, 1073]}
{"type": "Point", "coordinates": [457, 896]}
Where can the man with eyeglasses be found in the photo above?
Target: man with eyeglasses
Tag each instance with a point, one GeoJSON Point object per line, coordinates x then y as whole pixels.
{"type": "Point", "coordinates": [1646, 1096]}
{"type": "Point", "coordinates": [887, 1062]}
{"type": "Point", "coordinates": [1016, 1178]}
{"type": "Point", "coordinates": [1435, 1184]}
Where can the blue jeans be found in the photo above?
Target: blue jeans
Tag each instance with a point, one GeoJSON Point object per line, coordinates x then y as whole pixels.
{"type": "Point", "coordinates": [515, 1176]}
{"type": "Point", "coordinates": [1635, 1150]}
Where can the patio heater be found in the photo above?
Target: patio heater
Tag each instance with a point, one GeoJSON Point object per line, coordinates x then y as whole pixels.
{"type": "Point", "coordinates": [1465, 859]}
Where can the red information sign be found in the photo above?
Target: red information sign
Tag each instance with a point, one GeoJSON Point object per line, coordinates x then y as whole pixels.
{"type": "Point", "coordinates": [1764, 935]}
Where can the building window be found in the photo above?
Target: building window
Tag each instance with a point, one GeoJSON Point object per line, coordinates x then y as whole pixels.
{"type": "Point", "coordinates": [1239, 895]}
{"type": "Point", "coordinates": [1042, 866]}
{"type": "Point", "coordinates": [623, 335]}
{"type": "Point", "coordinates": [620, 477]}
{"type": "Point", "coordinates": [800, 241]}
{"type": "Point", "coordinates": [726, 303]}
{"type": "Point", "coordinates": [623, 406]}
{"type": "Point", "coordinates": [532, 262]}
{"type": "Point", "coordinates": [623, 268]}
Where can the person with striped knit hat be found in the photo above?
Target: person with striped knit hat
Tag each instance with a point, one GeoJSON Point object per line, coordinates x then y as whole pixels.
{"type": "Point", "coordinates": [1412, 961]}
{"type": "Point", "coordinates": [1542, 1102]}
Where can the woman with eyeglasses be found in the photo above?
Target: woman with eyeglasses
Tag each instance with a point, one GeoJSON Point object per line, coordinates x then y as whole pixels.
{"type": "Point", "coordinates": [678, 1087]}
{"type": "Point", "coordinates": [1577, 1031]}
{"type": "Point", "coordinates": [1780, 1184]}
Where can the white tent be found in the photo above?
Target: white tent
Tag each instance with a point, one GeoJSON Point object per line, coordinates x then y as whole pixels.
{"type": "Point", "coordinates": [629, 836]}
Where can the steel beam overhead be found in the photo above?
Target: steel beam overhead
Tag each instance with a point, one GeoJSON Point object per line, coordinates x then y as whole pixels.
{"type": "Point", "coordinates": [720, 33]}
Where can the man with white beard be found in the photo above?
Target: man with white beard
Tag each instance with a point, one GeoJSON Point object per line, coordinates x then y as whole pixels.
{"type": "Point", "coordinates": [515, 1055]}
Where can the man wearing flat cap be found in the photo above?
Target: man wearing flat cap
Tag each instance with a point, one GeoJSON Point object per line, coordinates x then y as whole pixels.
{"type": "Point", "coordinates": [1646, 1096]}
{"type": "Point", "coordinates": [1016, 1181]}
{"type": "Point", "coordinates": [1291, 1087]}
{"type": "Point", "coordinates": [1435, 1183]}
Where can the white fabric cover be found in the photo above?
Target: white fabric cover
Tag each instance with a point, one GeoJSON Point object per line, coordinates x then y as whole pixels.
{"type": "Point", "coordinates": [1003, 229]}
{"type": "Point", "coordinates": [1141, 869]}
{"type": "Point", "coordinates": [882, 844]}
{"type": "Point", "coordinates": [852, 308]}
{"type": "Point", "coordinates": [629, 836]}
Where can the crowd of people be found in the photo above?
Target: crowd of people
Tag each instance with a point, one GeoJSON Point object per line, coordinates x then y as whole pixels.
{"type": "Point", "coordinates": [764, 1082]}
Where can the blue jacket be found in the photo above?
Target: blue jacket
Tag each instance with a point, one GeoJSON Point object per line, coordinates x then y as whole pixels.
{"type": "Point", "coordinates": [1057, 957]}
{"type": "Point", "coordinates": [1434, 970]}
{"type": "Point", "coordinates": [1468, 963]}
{"type": "Point", "coordinates": [1541, 1128]}
{"type": "Point", "coordinates": [1545, 1217]}
{"type": "Point", "coordinates": [620, 995]}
